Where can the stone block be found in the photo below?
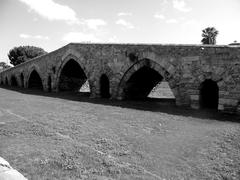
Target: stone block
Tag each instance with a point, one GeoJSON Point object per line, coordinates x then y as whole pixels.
{"type": "Point", "coordinates": [190, 59]}
{"type": "Point", "coordinates": [231, 102]}
{"type": "Point", "coordinates": [195, 105]}
{"type": "Point", "coordinates": [220, 107]}
{"type": "Point", "coordinates": [194, 97]}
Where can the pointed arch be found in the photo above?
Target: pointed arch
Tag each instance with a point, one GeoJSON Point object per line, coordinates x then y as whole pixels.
{"type": "Point", "coordinates": [104, 86]}
{"type": "Point", "coordinates": [14, 81]}
{"type": "Point", "coordinates": [71, 75]}
{"type": "Point", "coordinates": [49, 83]}
{"type": "Point", "coordinates": [209, 94]}
{"type": "Point", "coordinates": [22, 79]}
{"type": "Point", "coordinates": [34, 80]}
{"type": "Point", "coordinates": [138, 81]}
{"type": "Point", "coordinates": [6, 81]}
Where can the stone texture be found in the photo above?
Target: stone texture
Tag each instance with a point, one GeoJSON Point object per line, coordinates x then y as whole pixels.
{"type": "Point", "coordinates": [185, 67]}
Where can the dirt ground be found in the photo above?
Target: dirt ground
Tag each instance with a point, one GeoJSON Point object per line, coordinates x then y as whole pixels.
{"type": "Point", "coordinates": [69, 136]}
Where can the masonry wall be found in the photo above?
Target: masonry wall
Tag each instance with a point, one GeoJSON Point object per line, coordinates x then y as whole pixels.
{"type": "Point", "coordinates": [185, 67]}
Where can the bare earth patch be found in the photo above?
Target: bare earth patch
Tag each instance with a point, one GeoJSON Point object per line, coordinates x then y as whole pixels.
{"type": "Point", "coordinates": [67, 136]}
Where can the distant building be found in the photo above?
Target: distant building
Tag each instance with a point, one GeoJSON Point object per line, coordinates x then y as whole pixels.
{"type": "Point", "coordinates": [235, 43]}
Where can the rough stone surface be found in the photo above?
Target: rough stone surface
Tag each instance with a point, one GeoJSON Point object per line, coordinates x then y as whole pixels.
{"type": "Point", "coordinates": [184, 67]}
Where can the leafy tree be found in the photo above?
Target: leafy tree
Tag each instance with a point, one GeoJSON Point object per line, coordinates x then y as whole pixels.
{"type": "Point", "coordinates": [209, 35]}
{"type": "Point", "coordinates": [21, 54]}
{"type": "Point", "coordinates": [4, 65]}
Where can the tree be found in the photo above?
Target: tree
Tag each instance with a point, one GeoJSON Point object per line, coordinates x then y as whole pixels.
{"type": "Point", "coordinates": [3, 66]}
{"type": "Point", "coordinates": [21, 54]}
{"type": "Point", "coordinates": [209, 35]}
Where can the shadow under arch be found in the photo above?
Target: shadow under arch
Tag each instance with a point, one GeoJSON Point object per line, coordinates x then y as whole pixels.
{"type": "Point", "coordinates": [6, 81]}
{"type": "Point", "coordinates": [138, 81]}
{"type": "Point", "coordinates": [49, 83]}
{"type": "Point", "coordinates": [34, 80]}
{"type": "Point", "coordinates": [71, 76]}
{"type": "Point", "coordinates": [22, 79]}
{"type": "Point", "coordinates": [209, 94]}
{"type": "Point", "coordinates": [14, 81]}
{"type": "Point", "coordinates": [104, 86]}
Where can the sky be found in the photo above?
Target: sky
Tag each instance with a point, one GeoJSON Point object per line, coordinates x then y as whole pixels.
{"type": "Point", "coordinates": [51, 24]}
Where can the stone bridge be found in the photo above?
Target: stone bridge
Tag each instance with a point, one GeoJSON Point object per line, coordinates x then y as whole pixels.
{"type": "Point", "coordinates": [199, 75]}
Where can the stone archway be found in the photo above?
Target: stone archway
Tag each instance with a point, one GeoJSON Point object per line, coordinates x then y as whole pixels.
{"type": "Point", "coordinates": [35, 81]}
{"type": "Point", "coordinates": [49, 83]}
{"type": "Point", "coordinates": [22, 79]}
{"type": "Point", "coordinates": [71, 76]}
{"type": "Point", "coordinates": [104, 86]}
{"type": "Point", "coordinates": [141, 78]}
{"type": "Point", "coordinates": [209, 94]}
{"type": "Point", "coordinates": [14, 81]}
{"type": "Point", "coordinates": [6, 81]}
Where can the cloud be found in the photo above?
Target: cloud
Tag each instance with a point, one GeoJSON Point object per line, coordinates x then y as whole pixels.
{"type": "Point", "coordinates": [27, 36]}
{"type": "Point", "coordinates": [94, 23]}
{"type": "Point", "coordinates": [166, 20]}
{"type": "Point", "coordinates": [124, 14]}
{"type": "Point", "coordinates": [159, 16]}
{"type": "Point", "coordinates": [125, 24]}
{"type": "Point", "coordinates": [80, 37]}
{"type": "Point", "coordinates": [181, 6]}
{"type": "Point", "coordinates": [171, 21]}
{"type": "Point", "coordinates": [52, 11]}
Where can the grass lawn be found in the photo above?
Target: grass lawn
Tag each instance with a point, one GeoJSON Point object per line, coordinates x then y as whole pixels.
{"type": "Point", "coordinates": [69, 136]}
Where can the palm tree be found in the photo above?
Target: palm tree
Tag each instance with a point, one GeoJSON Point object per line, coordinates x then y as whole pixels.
{"type": "Point", "coordinates": [209, 35]}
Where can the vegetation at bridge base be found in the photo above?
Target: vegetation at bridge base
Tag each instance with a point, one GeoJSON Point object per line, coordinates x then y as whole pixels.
{"type": "Point", "coordinates": [21, 54]}
{"type": "Point", "coordinates": [209, 35]}
{"type": "Point", "coordinates": [3, 66]}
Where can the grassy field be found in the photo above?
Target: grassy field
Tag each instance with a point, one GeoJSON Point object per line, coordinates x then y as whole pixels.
{"type": "Point", "coordinates": [69, 136]}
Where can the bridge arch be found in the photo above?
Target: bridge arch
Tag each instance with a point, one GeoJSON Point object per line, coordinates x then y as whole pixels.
{"type": "Point", "coordinates": [209, 94]}
{"type": "Point", "coordinates": [71, 74]}
{"type": "Point", "coordinates": [138, 81]}
{"type": "Point", "coordinates": [22, 79]}
{"type": "Point", "coordinates": [49, 83]}
{"type": "Point", "coordinates": [6, 81]}
{"type": "Point", "coordinates": [104, 86]}
{"type": "Point", "coordinates": [204, 92]}
{"type": "Point", "coordinates": [14, 81]}
{"type": "Point", "coordinates": [34, 80]}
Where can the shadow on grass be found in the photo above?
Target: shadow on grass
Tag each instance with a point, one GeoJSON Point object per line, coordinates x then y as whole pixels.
{"type": "Point", "coordinates": [150, 104]}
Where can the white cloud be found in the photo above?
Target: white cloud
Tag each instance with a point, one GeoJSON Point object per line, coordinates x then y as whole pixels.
{"type": "Point", "coordinates": [27, 36]}
{"type": "Point", "coordinates": [124, 14]}
{"type": "Point", "coordinates": [52, 11]}
{"type": "Point", "coordinates": [159, 16]}
{"type": "Point", "coordinates": [181, 6]}
{"type": "Point", "coordinates": [94, 23]}
{"type": "Point", "coordinates": [171, 21]}
{"type": "Point", "coordinates": [125, 24]}
{"type": "Point", "coordinates": [166, 20]}
{"type": "Point", "coordinates": [80, 37]}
